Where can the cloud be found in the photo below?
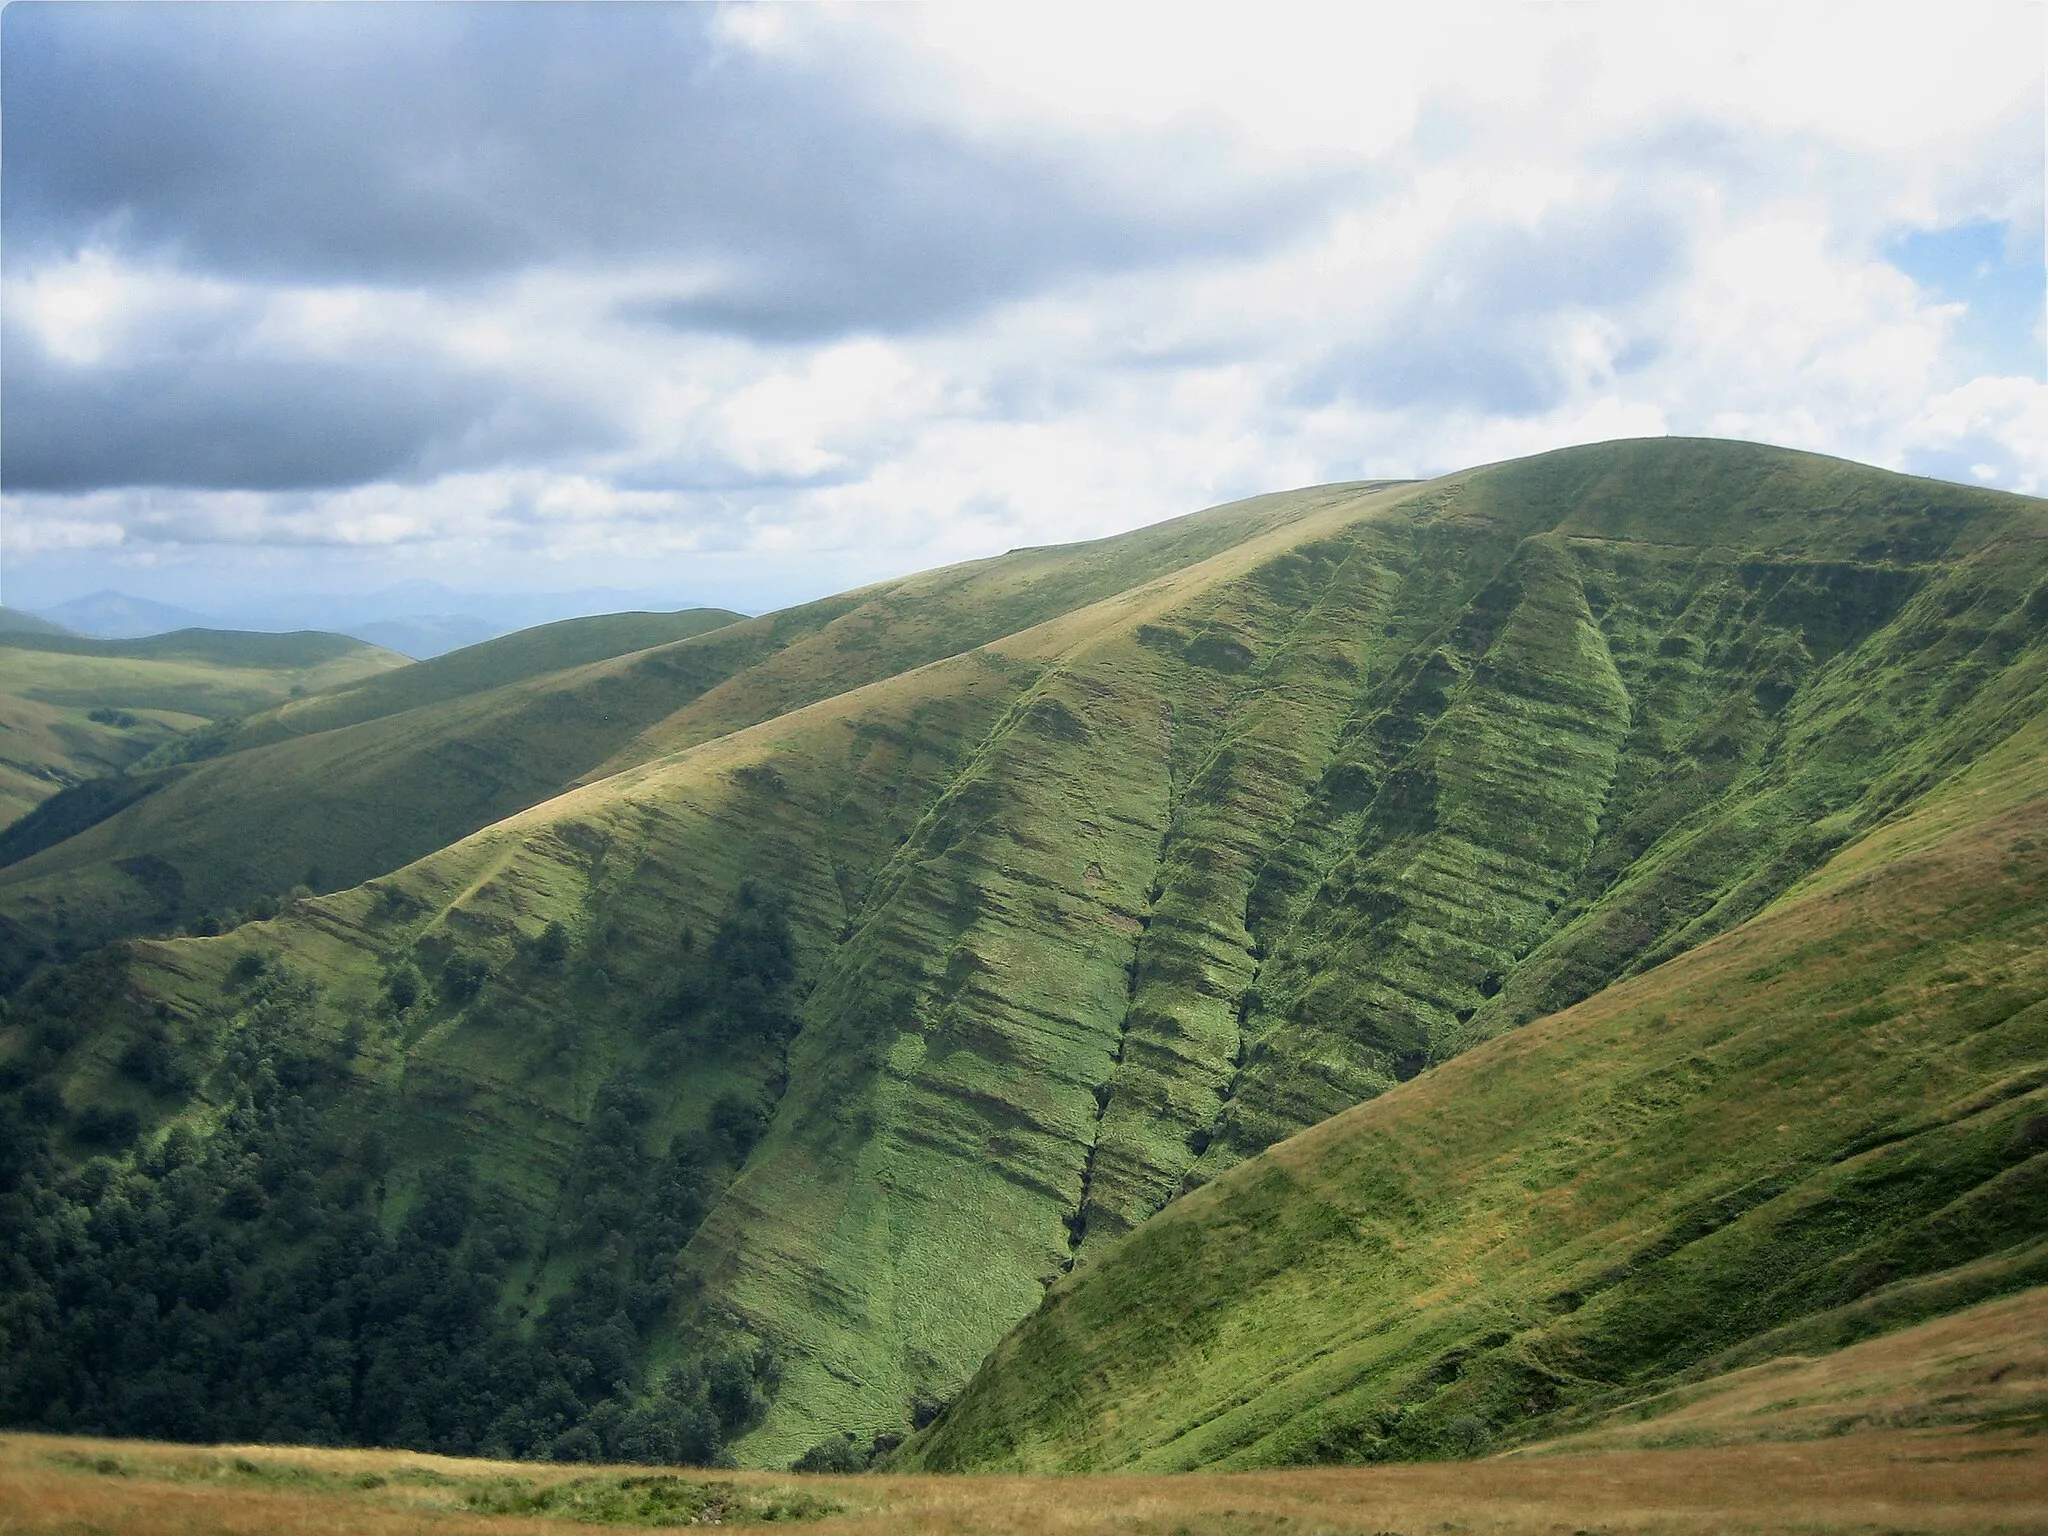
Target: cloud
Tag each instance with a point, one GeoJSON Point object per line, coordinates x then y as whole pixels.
{"type": "Point", "coordinates": [531, 295]}
{"type": "Point", "coordinates": [1496, 317]}
{"type": "Point", "coordinates": [115, 378]}
{"type": "Point", "coordinates": [425, 143]}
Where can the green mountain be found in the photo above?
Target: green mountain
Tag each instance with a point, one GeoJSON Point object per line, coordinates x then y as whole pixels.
{"type": "Point", "coordinates": [1826, 1124]}
{"type": "Point", "coordinates": [74, 709]}
{"type": "Point", "coordinates": [330, 792]}
{"type": "Point", "coordinates": [13, 621]}
{"type": "Point", "coordinates": [840, 979]}
{"type": "Point", "coordinates": [512, 658]}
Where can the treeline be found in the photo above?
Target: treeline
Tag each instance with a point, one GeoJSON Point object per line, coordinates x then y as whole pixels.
{"type": "Point", "coordinates": [245, 1283]}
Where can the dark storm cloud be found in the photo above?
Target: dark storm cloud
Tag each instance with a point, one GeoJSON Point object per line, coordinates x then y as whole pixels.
{"type": "Point", "coordinates": [419, 144]}
{"type": "Point", "coordinates": [1477, 330]}
{"type": "Point", "coordinates": [212, 417]}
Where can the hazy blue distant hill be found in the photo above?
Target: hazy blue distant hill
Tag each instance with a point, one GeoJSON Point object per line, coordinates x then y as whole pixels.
{"type": "Point", "coordinates": [424, 636]}
{"type": "Point", "coordinates": [117, 616]}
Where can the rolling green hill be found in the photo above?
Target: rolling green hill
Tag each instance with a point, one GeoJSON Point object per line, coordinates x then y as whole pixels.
{"type": "Point", "coordinates": [380, 785]}
{"type": "Point", "coordinates": [1826, 1124]}
{"type": "Point", "coordinates": [852, 973]}
{"type": "Point", "coordinates": [74, 709]}
{"type": "Point", "coordinates": [512, 658]}
{"type": "Point", "coordinates": [15, 622]}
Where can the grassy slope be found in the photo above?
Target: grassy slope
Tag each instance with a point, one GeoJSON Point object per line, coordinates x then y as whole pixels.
{"type": "Point", "coordinates": [1050, 1002]}
{"type": "Point", "coordinates": [1985, 1366]}
{"type": "Point", "coordinates": [816, 802]}
{"type": "Point", "coordinates": [51, 683]}
{"type": "Point", "coordinates": [891, 627]}
{"type": "Point", "coordinates": [15, 622]}
{"type": "Point", "coordinates": [1264, 810]}
{"type": "Point", "coordinates": [474, 669]}
{"type": "Point", "coordinates": [1824, 1123]}
{"type": "Point", "coordinates": [47, 748]}
{"type": "Point", "coordinates": [361, 798]}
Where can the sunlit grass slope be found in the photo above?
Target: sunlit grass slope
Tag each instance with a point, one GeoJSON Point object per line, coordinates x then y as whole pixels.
{"type": "Point", "coordinates": [1984, 1368]}
{"type": "Point", "coordinates": [1827, 1123]}
{"type": "Point", "coordinates": [338, 789]}
{"type": "Point", "coordinates": [1289, 833]}
{"type": "Point", "coordinates": [1106, 867]}
{"type": "Point", "coordinates": [73, 709]}
{"type": "Point", "coordinates": [474, 669]}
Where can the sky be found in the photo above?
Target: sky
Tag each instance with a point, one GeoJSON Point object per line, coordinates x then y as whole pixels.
{"type": "Point", "coordinates": [746, 304]}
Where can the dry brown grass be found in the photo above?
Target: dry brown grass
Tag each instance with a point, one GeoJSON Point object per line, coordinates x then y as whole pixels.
{"type": "Point", "coordinates": [1985, 1365]}
{"type": "Point", "coordinates": [1888, 1481]}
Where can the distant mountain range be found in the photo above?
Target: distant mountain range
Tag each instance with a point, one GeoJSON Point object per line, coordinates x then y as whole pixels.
{"type": "Point", "coordinates": [419, 619]}
{"type": "Point", "coordinates": [117, 616]}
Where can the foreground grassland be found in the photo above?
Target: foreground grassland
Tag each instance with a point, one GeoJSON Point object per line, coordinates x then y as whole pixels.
{"type": "Point", "coordinates": [1938, 1427]}
{"type": "Point", "coordinates": [740, 1036]}
{"type": "Point", "coordinates": [1883, 1482]}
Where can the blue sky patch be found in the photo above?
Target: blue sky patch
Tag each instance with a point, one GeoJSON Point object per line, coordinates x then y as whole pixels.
{"type": "Point", "coordinates": [1999, 273]}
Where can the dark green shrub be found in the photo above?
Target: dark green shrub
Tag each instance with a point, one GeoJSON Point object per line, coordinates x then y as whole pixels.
{"type": "Point", "coordinates": [840, 1453]}
{"type": "Point", "coordinates": [402, 988]}
{"type": "Point", "coordinates": [578, 1444]}
{"type": "Point", "coordinates": [98, 1126]}
{"type": "Point", "coordinates": [151, 1060]}
{"type": "Point", "coordinates": [463, 977]}
{"type": "Point", "coordinates": [741, 1120]}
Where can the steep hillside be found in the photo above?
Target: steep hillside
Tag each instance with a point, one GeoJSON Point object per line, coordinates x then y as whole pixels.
{"type": "Point", "coordinates": [1827, 1123]}
{"type": "Point", "coordinates": [74, 709]}
{"type": "Point", "coordinates": [895, 955]}
{"type": "Point", "coordinates": [374, 789]}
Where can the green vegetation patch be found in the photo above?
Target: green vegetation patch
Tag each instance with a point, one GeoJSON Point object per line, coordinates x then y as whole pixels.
{"type": "Point", "coordinates": [240, 1470]}
{"type": "Point", "coordinates": [279, 1272]}
{"type": "Point", "coordinates": [602, 1498]}
{"type": "Point", "coordinates": [649, 1499]}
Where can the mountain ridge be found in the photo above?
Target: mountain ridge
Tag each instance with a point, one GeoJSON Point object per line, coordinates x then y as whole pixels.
{"type": "Point", "coordinates": [966, 922]}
